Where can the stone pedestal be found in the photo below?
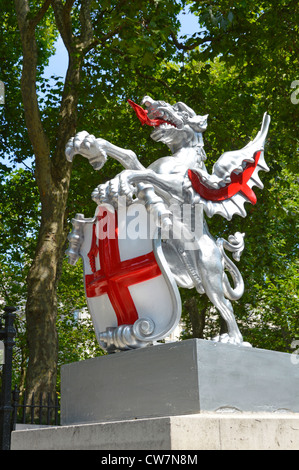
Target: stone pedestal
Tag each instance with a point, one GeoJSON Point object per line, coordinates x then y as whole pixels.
{"type": "Point", "coordinates": [178, 378]}
{"type": "Point", "coordinates": [204, 431]}
{"type": "Point", "coordinates": [193, 394]}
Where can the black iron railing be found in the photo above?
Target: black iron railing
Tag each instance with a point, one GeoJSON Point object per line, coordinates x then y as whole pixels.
{"type": "Point", "coordinates": [16, 408]}
{"type": "Point", "coordinates": [7, 334]}
{"type": "Point", "coordinates": [41, 410]}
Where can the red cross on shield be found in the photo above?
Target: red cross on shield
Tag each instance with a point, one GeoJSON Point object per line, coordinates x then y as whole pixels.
{"type": "Point", "coordinates": [124, 280]}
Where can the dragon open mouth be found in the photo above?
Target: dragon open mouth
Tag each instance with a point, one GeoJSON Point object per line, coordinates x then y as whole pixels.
{"type": "Point", "coordinates": [142, 115]}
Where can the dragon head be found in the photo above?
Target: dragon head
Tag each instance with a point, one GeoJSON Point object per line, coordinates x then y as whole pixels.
{"type": "Point", "coordinates": [176, 126]}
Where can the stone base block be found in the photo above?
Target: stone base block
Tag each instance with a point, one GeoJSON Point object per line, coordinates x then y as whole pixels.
{"type": "Point", "coordinates": [178, 379]}
{"type": "Point", "coordinates": [205, 431]}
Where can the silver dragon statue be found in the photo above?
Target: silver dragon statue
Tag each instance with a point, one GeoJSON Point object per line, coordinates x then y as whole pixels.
{"type": "Point", "coordinates": [193, 256]}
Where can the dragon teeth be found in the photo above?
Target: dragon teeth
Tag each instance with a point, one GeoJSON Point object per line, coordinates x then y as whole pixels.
{"type": "Point", "coordinates": [166, 125]}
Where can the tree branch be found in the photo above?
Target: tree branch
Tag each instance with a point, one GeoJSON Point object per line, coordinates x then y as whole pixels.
{"type": "Point", "coordinates": [69, 101]}
{"type": "Point", "coordinates": [149, 77]}
{"type": "Point", "coordinates": [62, 13]}
{"type": "Point", "coordinates": [40, 14]}
{"type": "Point", "coordinates": [89, 45]}
{"type": "Point", "coordinates": [34, 125]}
{"type": "Point", "coordinates": [68, 6]}
{"type": "Point", "coordinates": [189, 47]}
{"type": "Point", "coordinates": [85, 20]}
{"type": "Point", "coordinates": [88, 39]}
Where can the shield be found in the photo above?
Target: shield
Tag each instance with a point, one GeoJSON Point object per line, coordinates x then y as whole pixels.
{"type": "Point", "coordinates": [131, 294]}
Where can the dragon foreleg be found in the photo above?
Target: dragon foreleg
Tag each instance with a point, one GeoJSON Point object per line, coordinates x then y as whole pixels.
{"type": "Point", "coordinates": [97, 150]}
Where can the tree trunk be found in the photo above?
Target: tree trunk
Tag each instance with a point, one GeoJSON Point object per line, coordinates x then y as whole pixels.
{"type": "Point", "coordinates": [43, 277]}
{"type": "Point", "coordinates": [197, 317]}
{"type": "Point", "coordinates": [52, 172]}
{"type": "Point", "coordinates": [41, 307]}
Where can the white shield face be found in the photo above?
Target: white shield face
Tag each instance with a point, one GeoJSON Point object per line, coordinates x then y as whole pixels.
{"type": "Point", "coordinates": [123, 280]}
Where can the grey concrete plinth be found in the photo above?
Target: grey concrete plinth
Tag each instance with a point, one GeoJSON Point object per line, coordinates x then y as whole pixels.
{"type": "Point", "coordinates": [178, 379]}
{"type": "Point", "coordinates": [206, 431]}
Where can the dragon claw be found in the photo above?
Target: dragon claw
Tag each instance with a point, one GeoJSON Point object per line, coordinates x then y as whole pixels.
{"type": "Point", "coordinates": [89, 147]}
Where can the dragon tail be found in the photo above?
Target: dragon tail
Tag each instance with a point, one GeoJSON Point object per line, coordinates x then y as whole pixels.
{"type": "Point", "coordinates": [235, 244]}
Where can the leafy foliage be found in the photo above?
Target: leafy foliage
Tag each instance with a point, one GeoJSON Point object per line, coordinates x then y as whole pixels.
{"type": "Point", "coordinates": [252, 52]}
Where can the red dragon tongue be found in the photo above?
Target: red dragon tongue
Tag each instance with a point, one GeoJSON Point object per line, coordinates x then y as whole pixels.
{"type": "Point", "coordinates": [143, 117]}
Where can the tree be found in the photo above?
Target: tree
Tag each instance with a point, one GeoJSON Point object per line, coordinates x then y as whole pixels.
{"type": "Point", "coordinates": [109, 29]}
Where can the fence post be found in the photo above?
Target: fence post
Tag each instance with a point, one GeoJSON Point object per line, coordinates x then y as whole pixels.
{"type": "Point", "coordinates": [15, 399]}
{"type": "Point", "coordinates": [7, 335]}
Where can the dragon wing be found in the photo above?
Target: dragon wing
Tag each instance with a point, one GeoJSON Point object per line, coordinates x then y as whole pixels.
{"type": "Point", "coordinates": [234, 174]}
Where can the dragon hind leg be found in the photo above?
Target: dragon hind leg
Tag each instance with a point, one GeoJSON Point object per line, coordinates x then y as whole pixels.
{"type": "Point", "coordinates": [225, 309]}
{"type": "Point", "coordinates": [212, 273]}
